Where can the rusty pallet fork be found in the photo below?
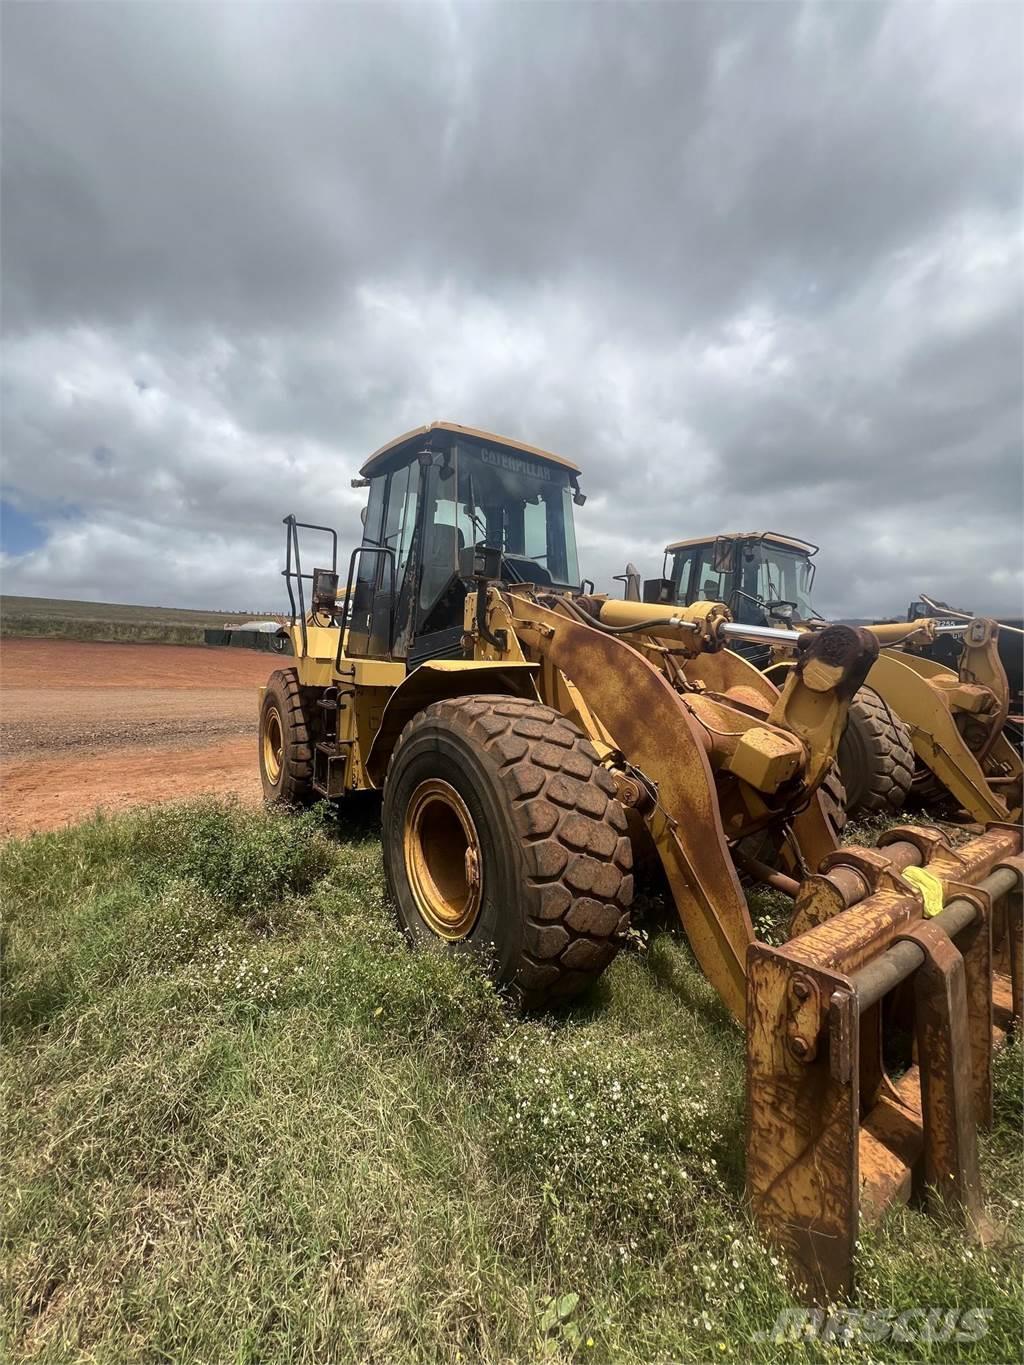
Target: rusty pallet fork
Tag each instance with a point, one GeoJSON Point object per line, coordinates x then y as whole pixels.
{"type": "Point", "coordinates": [831, 1130]}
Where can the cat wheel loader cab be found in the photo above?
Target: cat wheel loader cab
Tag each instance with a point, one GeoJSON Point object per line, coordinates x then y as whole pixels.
{"type": "Point", "coordinates": [527, 732]}
{"type": "Point", "coordinates": [918, 725]}
{"type": "Point", "coordinates": [764, 578]}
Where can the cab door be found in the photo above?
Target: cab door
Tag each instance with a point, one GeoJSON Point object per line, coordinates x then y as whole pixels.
{"type": "Point", "coordinates": [379, 569]}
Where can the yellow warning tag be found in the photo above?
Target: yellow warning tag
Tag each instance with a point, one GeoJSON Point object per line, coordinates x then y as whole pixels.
{"type": "Point", "coordinates": [930, 887]}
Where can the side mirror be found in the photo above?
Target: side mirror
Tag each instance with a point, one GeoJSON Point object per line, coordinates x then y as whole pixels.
{"type": "Point", "coordinates": [658, 590]}
{"type": "Point", "coordinates": [480, 561]}
{"type": "Point", "coordinates": [325, 590]}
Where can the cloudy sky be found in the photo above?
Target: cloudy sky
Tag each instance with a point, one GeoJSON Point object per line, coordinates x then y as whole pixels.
{"type": "Point", "coordinates": [747, 264]}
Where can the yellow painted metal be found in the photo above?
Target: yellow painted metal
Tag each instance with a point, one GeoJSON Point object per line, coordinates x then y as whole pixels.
{"type": "Point", "coordinates": [375, 672]}
{"type": "Point", "coordinates": [655, 733]}
{"type": "Point", "coordinates": [955, 719]}
{"type": "Point", "coordinates": [434, 681]}
{"type": "Point", "coordinates": [314, 665]}
{"type": "Point", "coordinates": [765, 758]}
{"type": "Point", "coordinates": [810, 707]}
{"type": "Point", "coordinates": [442, 855]}
{"type": "Point", "coordinates": [378, 457]}
{"type": "Point", "coordinates": [668, 623]}
{"type": "Point", "coordinates": [702, 759]}
{"type": "Point", "coordinates": [273, 743]}
{"type": "Point", "coordinates": [729, 676]}
{"type": "Point", "coordinates": [770, 537]}
{"type": "Point", "coordinates": [919, 632]}
{"type": "Point", "coordinates": [927, 709]}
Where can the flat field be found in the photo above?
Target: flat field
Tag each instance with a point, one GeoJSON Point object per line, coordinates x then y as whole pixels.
{"type": "Point", "coordinates": [87, 724]}
{"type": "Point", "coordinates": [57, 618]}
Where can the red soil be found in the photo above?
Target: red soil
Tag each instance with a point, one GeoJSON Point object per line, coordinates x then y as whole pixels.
{"type": "Point", "coordinates": [86, 725]}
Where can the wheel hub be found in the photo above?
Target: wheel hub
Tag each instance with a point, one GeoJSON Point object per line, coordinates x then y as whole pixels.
{"type": "Point", "coordinates": [273, 744]}
{"type": "Point", "coordinates": [442, 859]}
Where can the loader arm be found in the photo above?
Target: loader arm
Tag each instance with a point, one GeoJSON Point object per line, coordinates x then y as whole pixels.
{"type": "Point", "coordinates": [669, 755]}
{"type": "Point", "coordinates": [728, 676]}
{"type": "Point", "coordinates": [926, 696]}
{"type": "Point", "coordinates": [655, 733]}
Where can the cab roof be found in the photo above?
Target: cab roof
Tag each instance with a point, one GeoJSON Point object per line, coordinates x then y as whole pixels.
{"type": "Point", "coordinates": [772, 537]}
{"type": "Point", "coordinates": [412, 438]}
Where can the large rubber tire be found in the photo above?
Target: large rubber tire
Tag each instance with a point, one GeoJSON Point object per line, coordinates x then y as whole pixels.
{"type": "Point", "coordinates": [555, 862]}
{"type": "Point", "coordinates": [286, 741]}
{"type": "Point", "coordinates": [876, 757]}
{"type": "Point", "coordinates": [833, 799]}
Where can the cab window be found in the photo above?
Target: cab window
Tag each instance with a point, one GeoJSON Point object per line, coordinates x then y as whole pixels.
{"type": "Point", "coordinates": [683, 564]}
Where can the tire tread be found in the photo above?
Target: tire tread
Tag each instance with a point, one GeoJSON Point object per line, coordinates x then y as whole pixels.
{"type": "Point", "coordinates": [571, 832]}
{"type": "Point", "coordinates": [890, 761]}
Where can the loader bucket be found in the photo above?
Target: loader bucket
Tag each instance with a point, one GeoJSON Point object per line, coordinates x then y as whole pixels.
{"type": "Point", "coordinates": [869, 1042]}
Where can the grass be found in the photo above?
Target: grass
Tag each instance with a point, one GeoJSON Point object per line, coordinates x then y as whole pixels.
{"type": "Point", "coordinates": [244, 1124]}
{"type": "Point", "coordinates": [56, 618]}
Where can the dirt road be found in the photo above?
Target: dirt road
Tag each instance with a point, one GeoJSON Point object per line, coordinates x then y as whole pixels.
{"type": "Point", "coordinates": [87, 725]}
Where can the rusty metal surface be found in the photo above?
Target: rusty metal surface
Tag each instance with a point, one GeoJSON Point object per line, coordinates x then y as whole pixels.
{"type": "Point", "coordinates": [950, 1132]}
{"type": "Point", "coordinates": [975, 947]}
{"type": "Point", "coordinates": [829, 1134]}
{"type": "Point", "coordinates": [849, 874]}
{"type": "Point", "coordinates": [814, 701]}
{"type": "Point", "coordinates": [814, 832]}
{"type": "Point", "coordinates": [653, 728]}
{"type": "Point", "coordinates": [731, 697]}
{"type": "Point", "coordinates": [890, 1147]}
{"type": "Point", "coordinates": [974, 860]}
{"type": "Point", "coordinates": [1008, 949]}
{"type": "Point", "coordinates": [924, 840]}
{"type": "Point", "coordinates": [729, 675]}
{"type": "Point", "coordinates": [803, 1176]}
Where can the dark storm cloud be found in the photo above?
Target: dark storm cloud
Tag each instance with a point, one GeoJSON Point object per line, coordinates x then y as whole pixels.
{"type": "Point", "coordinates": [749, 264]}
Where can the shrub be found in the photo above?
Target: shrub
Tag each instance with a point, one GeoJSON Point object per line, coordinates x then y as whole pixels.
{"type": "Point", "coordinates": [245, 859]}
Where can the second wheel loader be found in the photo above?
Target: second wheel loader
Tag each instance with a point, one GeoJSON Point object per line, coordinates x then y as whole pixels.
{"type": "Point", "coordinates": [527, 735]}
{"type": "Point", "coordinates": [917, 725]}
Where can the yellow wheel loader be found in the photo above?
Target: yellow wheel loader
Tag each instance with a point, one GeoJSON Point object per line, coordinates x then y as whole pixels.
{"type": "Point", "coordinates": [917, 725]}
{"type": "Point", "coordinates": [528, 735]}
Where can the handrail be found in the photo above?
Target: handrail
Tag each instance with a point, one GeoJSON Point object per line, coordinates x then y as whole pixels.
{"type": "Point", "coordinates": [288, 573]}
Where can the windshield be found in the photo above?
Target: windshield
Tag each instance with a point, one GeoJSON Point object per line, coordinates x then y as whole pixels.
{"type": "Point", "coordinates": [775, 574]}
{"type": "Point", "coordinates": [493, 496]}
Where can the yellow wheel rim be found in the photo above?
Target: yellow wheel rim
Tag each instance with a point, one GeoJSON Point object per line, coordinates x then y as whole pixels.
{"type": "Point", "coordinates": [273, 744]}
{"type": "Point", "coordinates": [442, 859]}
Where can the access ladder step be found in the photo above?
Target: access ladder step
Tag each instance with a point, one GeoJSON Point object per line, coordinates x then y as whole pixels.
{"type": "Point", "coordinates": [330, 767]}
